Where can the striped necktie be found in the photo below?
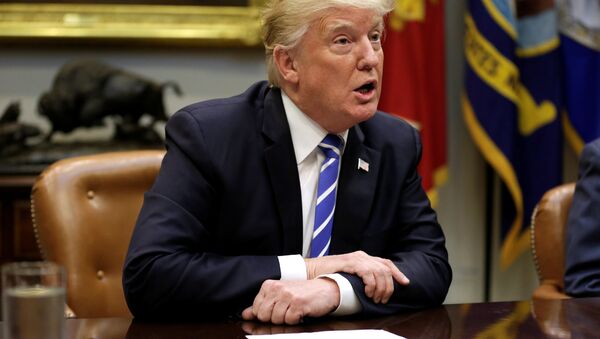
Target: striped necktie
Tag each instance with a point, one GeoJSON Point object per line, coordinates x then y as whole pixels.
{"type": "Point", "coordinates": [326, 192]}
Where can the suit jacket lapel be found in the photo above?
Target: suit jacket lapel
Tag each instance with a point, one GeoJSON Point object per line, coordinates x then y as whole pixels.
{"type": "Point", "coordinates": [283, 171]}
{"type": "Point", "coordinates": [356, 189]}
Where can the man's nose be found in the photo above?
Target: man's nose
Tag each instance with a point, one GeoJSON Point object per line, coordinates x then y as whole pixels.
{"type": "Point", "coordinates": [367, 55]}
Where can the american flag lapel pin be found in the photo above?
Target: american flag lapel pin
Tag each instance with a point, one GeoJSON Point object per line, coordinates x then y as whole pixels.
{"type": "Point", "coordinates": [363, 165]}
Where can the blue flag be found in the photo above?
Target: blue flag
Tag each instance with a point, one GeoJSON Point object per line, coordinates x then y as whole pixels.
{"type": "Point", "coordinates": [579, 23]}
{"type": "Point", "coordinates": [511, 105]}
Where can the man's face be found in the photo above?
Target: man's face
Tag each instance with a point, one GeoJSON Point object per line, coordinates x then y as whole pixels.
{"type": "Point", "coordinates": [339, 64]}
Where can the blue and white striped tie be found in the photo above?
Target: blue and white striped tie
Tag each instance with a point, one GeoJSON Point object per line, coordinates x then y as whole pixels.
{"type": "Point", "coordinates": [326, 192]}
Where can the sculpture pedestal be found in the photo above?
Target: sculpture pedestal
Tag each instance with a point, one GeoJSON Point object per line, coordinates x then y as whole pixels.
{"type": "Point", "coordinates": [32, 160]}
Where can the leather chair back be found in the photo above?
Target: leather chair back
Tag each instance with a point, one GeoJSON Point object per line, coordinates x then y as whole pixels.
{"type": "Point", "coordinates": [548, 241]}
{"type": "Point", "coordinates": [84, 210]}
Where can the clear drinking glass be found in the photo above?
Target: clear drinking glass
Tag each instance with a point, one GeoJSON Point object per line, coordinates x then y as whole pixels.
{"type": "Point", "coordinates": [33, 300]}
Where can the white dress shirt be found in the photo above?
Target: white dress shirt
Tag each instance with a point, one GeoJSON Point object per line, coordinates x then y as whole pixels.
{"type": "Point", "coordinates": [306, 136]}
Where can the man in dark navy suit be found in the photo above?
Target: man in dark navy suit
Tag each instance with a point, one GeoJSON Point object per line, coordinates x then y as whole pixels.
{"type": "Point", "coordinates": [582, 272]}
{"type": "Point", "coordinates": [295, 198]}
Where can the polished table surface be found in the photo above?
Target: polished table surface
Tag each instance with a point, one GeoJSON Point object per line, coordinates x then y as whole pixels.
{"type": "Point", "coordinates": [571, 318]}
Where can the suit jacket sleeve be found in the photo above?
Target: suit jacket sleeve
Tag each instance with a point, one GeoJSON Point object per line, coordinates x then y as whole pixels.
{"type": "Point", "coordinates": [172, 269]}
{"type": "Point", "coordinates": [417, 247]}
{"type": "Point", "coordinates": [582, 273]}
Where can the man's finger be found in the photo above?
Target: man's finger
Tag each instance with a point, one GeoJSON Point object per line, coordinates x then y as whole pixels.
{"type": "Point", "coordinates": [379, 286]}
{"type": "Point", "coordinates": [400, 277]}
{"type": "Point", "coordinates": [292, 317]}
{"type": "Point", "coordinates": [369, 281]}
{"type": "Point", "coordinates": [396, 273]}
{"type": "Point", "coordinates": [247, 314]}
{"type": "Point", "coordinates": [278, 313]}
{"type": "Point", "coordinates": [389, 289]}
{"type": "Point", "coordinates": [264, 311]}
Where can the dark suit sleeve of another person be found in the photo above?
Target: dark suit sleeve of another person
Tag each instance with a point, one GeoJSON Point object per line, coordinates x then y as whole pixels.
{"type": "Point", "coordinates": [582, 272]}
{"type": "Point", "coordinates": [412, 237]}
{"type": "Point", "coordinates": [188, 257]}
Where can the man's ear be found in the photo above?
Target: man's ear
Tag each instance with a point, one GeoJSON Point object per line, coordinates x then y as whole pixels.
{"type": "Point", "coordinates": [285, 64]}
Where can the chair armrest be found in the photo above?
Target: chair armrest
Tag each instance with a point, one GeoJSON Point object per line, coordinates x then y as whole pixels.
{"type": "Point", "coordinates": [69, 312]}
{"type": "Point", "coordinates": [549, 289]}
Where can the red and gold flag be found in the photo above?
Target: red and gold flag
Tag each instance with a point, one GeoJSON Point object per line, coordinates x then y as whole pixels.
{"type": "Point", "coordinates": [414, 81]}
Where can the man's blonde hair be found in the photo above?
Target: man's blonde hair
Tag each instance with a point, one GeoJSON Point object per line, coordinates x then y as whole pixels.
{"type": "Point", "coordinates": [286, 21]}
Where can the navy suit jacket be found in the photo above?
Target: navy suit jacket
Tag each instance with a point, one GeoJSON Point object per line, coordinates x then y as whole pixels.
{"type": "Point", "coordinates": [227, 202]}
{"type": "Point", "coordinates": [582, 271]}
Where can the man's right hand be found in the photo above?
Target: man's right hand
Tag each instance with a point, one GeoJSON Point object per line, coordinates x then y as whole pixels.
{"type": "Point", "coordinates": [289, 301]}
{"type": "Point", "coordinates": [378, 274]}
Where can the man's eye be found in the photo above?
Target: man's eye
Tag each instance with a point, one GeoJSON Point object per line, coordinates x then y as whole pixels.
{"type": "Point", "coordinates": [375, 36]}
{"type": "Point", "coordinates": [342, 41]}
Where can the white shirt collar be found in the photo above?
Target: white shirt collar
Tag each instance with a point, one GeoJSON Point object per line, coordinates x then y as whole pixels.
{"type": "Point", "coordinates": [306, 133]}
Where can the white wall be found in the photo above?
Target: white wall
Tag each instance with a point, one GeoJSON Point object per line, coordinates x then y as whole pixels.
{"type": "Point", "coordinates": [462, 204]}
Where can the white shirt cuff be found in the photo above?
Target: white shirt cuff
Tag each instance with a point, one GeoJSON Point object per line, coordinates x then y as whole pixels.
{"type": "Point", "coordinates": [349, 303]}
{"type": "Point", "coordinates": [292, 267]}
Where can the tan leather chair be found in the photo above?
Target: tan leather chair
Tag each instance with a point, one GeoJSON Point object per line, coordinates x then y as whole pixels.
{"type": "Point", "coordinates": [83, 211]}
{"type": "Point", "coordinates": [548, 241]}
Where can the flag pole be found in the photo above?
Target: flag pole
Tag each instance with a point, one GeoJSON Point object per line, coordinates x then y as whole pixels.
{"type": "Point", "coordinates": [489, 230]}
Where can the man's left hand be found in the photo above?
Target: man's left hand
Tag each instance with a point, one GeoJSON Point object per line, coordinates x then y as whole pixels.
{"type": "Point", "coordinates": [378, 274]}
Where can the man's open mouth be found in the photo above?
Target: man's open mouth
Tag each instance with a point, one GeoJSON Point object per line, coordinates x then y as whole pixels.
{"type": "Point", "coordinates": [366, 88]}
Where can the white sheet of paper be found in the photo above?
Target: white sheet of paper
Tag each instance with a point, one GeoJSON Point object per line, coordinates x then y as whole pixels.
{"type": "Point", "coordinates": [348, 334]}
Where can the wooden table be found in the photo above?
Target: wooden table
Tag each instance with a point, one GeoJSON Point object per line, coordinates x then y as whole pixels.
{"type": "Point", "coordinates": [576, 318]}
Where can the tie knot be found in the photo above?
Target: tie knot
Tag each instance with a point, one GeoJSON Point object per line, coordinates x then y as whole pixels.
{"type": "Point", "coordinates": [331, 146]}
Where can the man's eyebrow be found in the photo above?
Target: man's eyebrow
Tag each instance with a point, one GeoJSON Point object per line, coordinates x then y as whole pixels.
{"type": "Point", "coordinates": [340, 25]}
{"type": "Point", "coordinates": [378, 24]}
